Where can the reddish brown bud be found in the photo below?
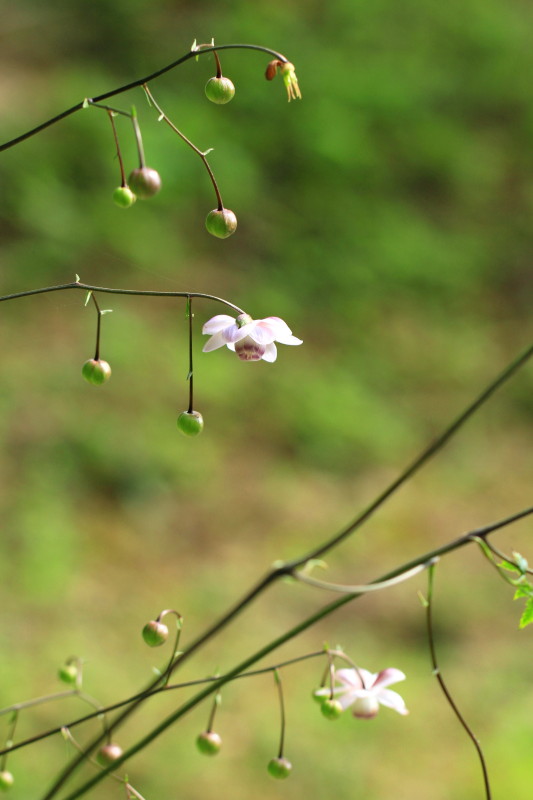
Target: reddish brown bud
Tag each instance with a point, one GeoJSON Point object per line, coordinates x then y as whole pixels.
{"type": "Point", "coordinates": [271, 69]}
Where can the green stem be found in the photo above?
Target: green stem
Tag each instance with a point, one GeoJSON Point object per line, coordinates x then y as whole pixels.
{"type": "Point", "coordinates": [134, 84]}
{"type": "Point", "coordinates": [443, 686]}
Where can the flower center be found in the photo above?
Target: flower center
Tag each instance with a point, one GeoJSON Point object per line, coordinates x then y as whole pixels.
{"type": "Point", "coordinates": [243, 319]}
{"type": "Point", "coordinates": [249, 350]}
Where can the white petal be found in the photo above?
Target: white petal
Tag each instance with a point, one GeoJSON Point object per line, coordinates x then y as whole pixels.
{"type": "Point", "coordinates": [216, 341]}
{"type": "Point", "coordinates": [278, 326]}
{"type": "Point", "coordinates": [263, 333]}
{"type": "Point", "coordinates": [235, 334]}
{"type": "Point", "coordinates": [271, 353]}
{"type": "Point", "coordinates": [218, 323]}
{"type": "Point", "coordinates": [231, 346]}
{"type": "Point", "coordinates": [388, 676]}
{"type": "Point", "coordinates": [288, 340]}
{"type": "Point", "coordinates": [392, 700]}
{"type": "Point", "coordinates": [349, 697]}
{"type": "Point", "coordinates": [351, 678]}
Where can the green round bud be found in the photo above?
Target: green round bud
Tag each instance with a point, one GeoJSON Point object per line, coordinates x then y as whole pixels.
{"type": "Point", "coordinates": [209, 743]}
{"type": "Point", "coordinates": [68, 673]}
{"type": "Point", "coordinates": [219, 90]}
{"type": "Point", "coordinates": [155, 633]}
{"type": "Point", "coordinates": [221, 222]}
{"type": "Point", "coordinates": [96, 371]}
{"type": "Point", "coordinates": [191, 423]}
{"type": "Point", "coordinates": [145, 182]}
{"type": "Point", "coordinates": [279, 768]}
{"type": "Point", "coordinates": [108, 753]}
{"type": "Point", "coordinates": [6, 780]}
{"type": "Point", "coordinates": [331, 709]}
{"type": "Point", "coordinates": [124, 197]}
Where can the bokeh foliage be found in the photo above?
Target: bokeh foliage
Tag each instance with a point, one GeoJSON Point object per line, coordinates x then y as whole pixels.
{"type": "Point", "coordinates": [387, 218]}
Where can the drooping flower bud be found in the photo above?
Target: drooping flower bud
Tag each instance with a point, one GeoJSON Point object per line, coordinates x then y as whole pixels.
{"type": "Point", "coordinates": [219, 90]}
{"type": "Point", "coordinates": [155, 633]}
{"type": "Point", "coordinates": [365, 707]}
{"type": "Point", "coordinates": [272, 68]}
{"type": "Point", "coordinates": [68, 673]}
{"type": "Point", "coordinates": [108, 753]}
{"type": "Point", "coordinates": [191, 423]}
{"type": "Point", "coordinates": [124, 197]}
{"type": "Point", "coordinates": [221, 222]}
{"type": "Point", "coordinates": [209, 743]}
{"type": "Point", "coordinates": [96, 371]}
{"type": "Point", "coordinates": [331, 708]}
{"type": "Point", "coordinates": [6, 780]}
{"type": "Point", "coordinates": [279, 768]}
{"type": "Point", "coordinates": [145, 182]}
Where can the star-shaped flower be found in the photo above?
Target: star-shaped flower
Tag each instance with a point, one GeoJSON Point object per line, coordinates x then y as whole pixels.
{"type": "Point", "coordinates": [251, 339]}
{"type": "Point", "coordinates": [366, 691]}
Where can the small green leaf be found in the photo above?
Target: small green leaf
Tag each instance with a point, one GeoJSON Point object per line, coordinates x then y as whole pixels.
{"type": "Point", "coordinates": [524, 590]}
{"type": "Point", "coordinates": [527, 614]}
{"type": "Point", "coordinates": [85, 103]}
{"type": "Point", "coordinates": [422, 599]}
{"type": "Point", "coordinates": [521, 562]}
{"type": "Point", "coordinates": [106, 311]}
{"type": "Point", "coordinates": [509, 565]}
{"type": "Point", "coordinates": [87, 299]}
{"type": "Point", "coordinates": [77, 278]}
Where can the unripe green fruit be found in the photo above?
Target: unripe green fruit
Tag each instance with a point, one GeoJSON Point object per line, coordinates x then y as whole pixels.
{"type": "Point", "coordinates": [191, 423]}
{"type": "Point", "coordinates": [221, 222]}
{"type": "Point", "coordinates": [219, 90]}
{"type": "Point", "coordinates": [124, 197]}
{"type": "Point", "coordinates": [108, 754]}
{"type": "Point", "coordinates": [279, 768]}
{"type": "Point", "coordinates": [155, 633]}
{"type": "Point", "coordinates": [68, 673]}
{"type": "Point", "coordinates": [6, 780]}
{"type": "Point", "coordinates": [331, 709]}
{"type": "Point", "coordinates": [209, 743]}
{"type": "Point", "coordinates": [145, 182]}
{"type": "Point", "coordinates": [96, 371]}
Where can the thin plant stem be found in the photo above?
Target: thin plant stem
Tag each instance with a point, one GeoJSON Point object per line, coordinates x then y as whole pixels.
{"type": "Point", "coordinates": [136, 83]}
{"type": "Point", "coordinates": [264, 651]}
{"type": "Point", "coordinates": [167, 688]}
{"type": "Point", "coordinates": [9, 739]}
{"type": "Point", "coordinates": [277, 679]}
{"type": "Point", "coordinates": [443, 686]}
{"type": "Point", "coordinates": [138, 139]}
{"type": "Point", "coordinates": [359, 588]}
{"type": "Point", "coordinates": [111, 115]}
{"type": "Point", "coordinates": [190, 376]}
{"type": "Point", "coordinates": [187, 141]}
{"type": "Point", "coordinates": [98, 327]}
{"type": "Point", "coordinates": [216, 702]}
{"type": "Point", "coordinates": [106, 290]}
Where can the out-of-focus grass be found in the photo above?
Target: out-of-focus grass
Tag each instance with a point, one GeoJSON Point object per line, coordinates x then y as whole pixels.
{"type": "Point", "coordinates": [387, 218]}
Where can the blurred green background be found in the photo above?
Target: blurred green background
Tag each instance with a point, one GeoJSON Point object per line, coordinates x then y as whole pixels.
{"type": "Point", "coordinates": [387, 219]}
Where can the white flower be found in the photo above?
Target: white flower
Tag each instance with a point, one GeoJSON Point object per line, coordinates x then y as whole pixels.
{"type": "Point", "coordinates": [251, 339]}
{"type": "Point", "coordinates": [365, 691]}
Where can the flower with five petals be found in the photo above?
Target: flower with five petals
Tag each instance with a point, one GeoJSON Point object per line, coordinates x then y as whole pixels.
{"type": "Point", "coordinates": [366, 691]}
{"type": "Point", "coordinates": [251, 339]}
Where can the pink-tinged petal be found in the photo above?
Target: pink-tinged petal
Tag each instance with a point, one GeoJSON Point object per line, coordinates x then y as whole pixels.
{"type": "Point", "coordinates": [351, 678]}
{"type": "Point", "coordinates": [278, 326]}
{"type": "Point", "coordinates": [249, 350]}
{"type": "Point", "coordinates": [218, 323]}
{"type": "Point", "coordinates": [271, 353]}
{"type": "Point", "coordinates": [392, 700]}
{"type": "Point", "coordinates": [347, 697]}
{"type": "Point", "coordinates": [216, 341]}
{"type": "Point", "coordinates": [235, 334]}
{"type": "Point", "coordinates": [262, 333]}
{"type": "Point", "coordinates": [388, 676]}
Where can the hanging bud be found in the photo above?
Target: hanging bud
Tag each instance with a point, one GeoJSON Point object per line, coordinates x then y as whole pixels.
{"type": "Point", "coordinates": [272, 68]}
{"type": "Point", "coordinates": [279, 768]}
{"type": "Point", "coordinates": [155, 633]}
{"type": "Point", "coordinates": [331, 709]}
{"type": "Point", "coordinates": [219, 90]}
{"type": "Point", "coordinates": [6, 780]}
{"type": "Point", "coordinates": [191, 423]}
{"type": "Point", "coordinates": [209, 743]}
{"type": "Point", "coordinates": [145, 182]}
{"type": "Point", "coordinates": [108, 753]}
{"type": "Point", "coordinates": [221, 222]}
{"type": "Point", "coordinates": [96, 371]}
{"type": "Point", "coordinates": [124, 197]}
{"type": "Point", "coordinates": [68, 673]}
